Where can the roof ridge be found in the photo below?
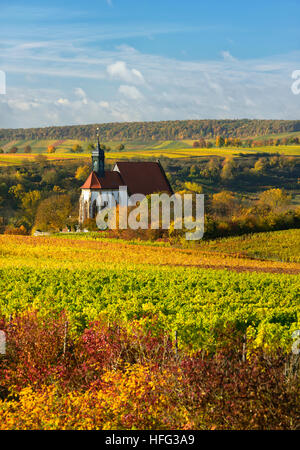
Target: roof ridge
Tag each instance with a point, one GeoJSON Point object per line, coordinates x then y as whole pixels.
{"type": "Point", "coordinates": [130, 162]}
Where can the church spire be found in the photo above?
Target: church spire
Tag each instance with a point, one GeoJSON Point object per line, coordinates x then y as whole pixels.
{"type": "Point", "coordinates": [98, 158]}
{"type": "Point", "coordinates": [98, 142]}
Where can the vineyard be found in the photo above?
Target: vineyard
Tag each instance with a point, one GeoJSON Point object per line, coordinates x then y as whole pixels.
{"type": "Point", "coordinates": [112, 334]}
{"type": "Point", "coordinates": [276, 245]}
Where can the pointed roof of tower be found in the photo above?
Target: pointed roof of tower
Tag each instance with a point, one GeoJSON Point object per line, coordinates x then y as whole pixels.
{"type": "Point", "coordinates": [92, 182]}
{"type": "Point", "coordinates": [111, 180]}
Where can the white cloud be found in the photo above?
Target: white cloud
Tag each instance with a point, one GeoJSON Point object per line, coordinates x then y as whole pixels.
{"type": "Point", "coordinates": [79, 92]}
{"type": "Point", "coordinates": [2, 83]}
{"type": "Point", "coordinates": [33, 45]}
{"type": "Point", "coordinates": [130, 92]}
{"type": "Point", "coordinates": [98, 85]}
{"type": "Point", "coordinates": [227, 56]}
{"type": "Point", "coordinates": [63, 101]}
{"type": "Point", "coordinates": [22, 104]}
{"type": "Point", "coordinates": [120, 70]}
{"type": "Point", "coordinates": [104, 104]}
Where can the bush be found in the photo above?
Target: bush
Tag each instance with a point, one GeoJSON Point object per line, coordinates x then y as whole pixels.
{"type": "Point", "coordinates": [123, 377]}
{"type": "Point", "coordinates": [10, 229]}
{"type": "Point", "coordinates": [225, 392]}
{"type": "Point", "coordinates": [90, 225]}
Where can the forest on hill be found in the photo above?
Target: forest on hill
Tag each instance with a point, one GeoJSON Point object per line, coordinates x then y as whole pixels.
{"type": "Point", "coordinates": [163, 130]}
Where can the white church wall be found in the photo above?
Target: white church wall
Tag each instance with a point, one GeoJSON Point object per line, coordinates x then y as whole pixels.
{"type": "Point", "coordinates": [92, 197]}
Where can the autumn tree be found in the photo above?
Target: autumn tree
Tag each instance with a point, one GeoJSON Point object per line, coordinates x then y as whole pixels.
{"type": "Point", "coordinates": [274, 200]}
{"type": "Point", "coordinates": [13, 149]}
{"type": "Point", "coordinates": [51, 176]}
{"type": "Point", "coordinates": [227, 170]}
{"type": "Point", "coordinates": [193, 171]}
{"type": "Point", "coordinates": [224, 204]}
{"type": "Point", "coordinates": [82, 173]}
{"type": "Point", "coordinates": [213, 167]}
{"type": "Point", "coordinates": [53, 213]}
{"type": "Point", "coordinates": [17, 191]}
{"type": "Point", "coordinates": [259, 166]}
{"type": "Point", "coordinates": [202, 143]}
{"type": "Point", "coordinates": [51, 149]}
{"type": "Point", "coordinates": [77, 148]}
{"type": "Point", "coordinates": [220, 141]}
{"type": "Point", "coordinates": [27, 149]}
{"type": "Point", "coordinates": [90, 147]}
{"type": "Point", "coordinates": [237, 142]}
{"type": "Point", "coordinates": [193, 187]}
{"type": "Point", "coordinates": [30, 201]}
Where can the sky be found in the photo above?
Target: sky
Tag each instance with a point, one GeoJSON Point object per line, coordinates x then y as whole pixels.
{"type": "Point", "coordinates": [95, 61]}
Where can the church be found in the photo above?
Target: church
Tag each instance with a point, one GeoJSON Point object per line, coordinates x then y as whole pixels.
{"type": "Point", "coordinates": [101, 189]}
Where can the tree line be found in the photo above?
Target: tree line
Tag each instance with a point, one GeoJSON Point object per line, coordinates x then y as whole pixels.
{"type": "Point", "coordinates": [162, 130]}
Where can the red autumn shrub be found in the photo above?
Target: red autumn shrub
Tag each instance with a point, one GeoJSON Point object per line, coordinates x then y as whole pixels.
{"type": "Point", "coordinates": [35, 350]}
{"type": "Point", "coordinates": [224, 389]}
{"type": "Point", "coordinates": [104, 347]}
{"type": "Point", "coordinates": [225, 392]}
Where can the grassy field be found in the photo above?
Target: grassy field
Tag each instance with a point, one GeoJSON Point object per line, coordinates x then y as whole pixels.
{"type": "Point", "coordinates": [63, 152]}
{"type": "Point", "coordinates": [153, 149]}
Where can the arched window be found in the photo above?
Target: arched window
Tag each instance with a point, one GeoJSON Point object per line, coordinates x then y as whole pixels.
{"type": "Point", "coordinates": [94, 209]}
{"type": "Point", "coordinates": [85, 211]}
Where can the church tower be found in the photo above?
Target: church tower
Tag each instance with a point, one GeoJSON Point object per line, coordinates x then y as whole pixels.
{"type": "Point", "coordinates": [98, 159]}
{"type": "Point", "coordinates": [102, 187]}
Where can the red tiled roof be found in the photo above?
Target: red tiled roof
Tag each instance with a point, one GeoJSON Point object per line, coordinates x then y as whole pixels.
{"type": "Point", "coordinates": [111, 180]}
{"type": "Point", "coordinates": [92, 182]}
{"type": "Point", "coordinates": [139, 177]}
{"type": "Point", "coordinates": [144, 177]}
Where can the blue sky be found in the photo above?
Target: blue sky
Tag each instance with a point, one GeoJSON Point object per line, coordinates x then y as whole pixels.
{"type": "Point", "coordinates": [90, 61]}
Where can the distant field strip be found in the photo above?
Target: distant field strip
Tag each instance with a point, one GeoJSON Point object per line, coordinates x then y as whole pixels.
{"type": "Point", "coordinates": [155, 150]}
